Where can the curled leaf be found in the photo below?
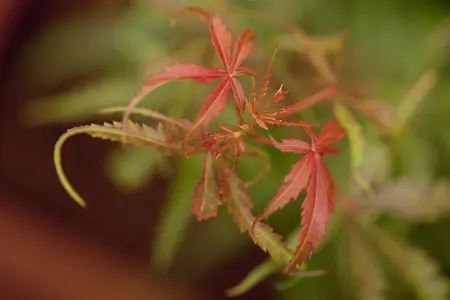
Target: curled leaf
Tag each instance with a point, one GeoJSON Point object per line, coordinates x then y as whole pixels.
{"type": "Point", "coordinates": [147, 113]}
{"type": "Point", "coordinates": [137, 135]}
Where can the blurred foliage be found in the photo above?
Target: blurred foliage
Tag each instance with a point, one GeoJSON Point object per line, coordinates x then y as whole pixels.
{"type": "Point", "coordinates": [389, 244]}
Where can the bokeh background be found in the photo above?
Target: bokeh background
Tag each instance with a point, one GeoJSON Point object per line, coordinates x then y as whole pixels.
{"type": "Point", "coordinates": [62, 61]}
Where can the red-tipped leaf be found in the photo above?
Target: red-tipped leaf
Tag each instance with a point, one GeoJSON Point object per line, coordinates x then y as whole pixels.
{"type": "Point", "coordinates": [291, 145]}
{"type": "Point", "coordinates": [220, 36]}
{"type": "Point", "coordinates": [316, 211]}
{"type": "Point", "coordinates": [213, 105]}
{"type": "Point", "coordinates": [176, 71]}
{"type": "Point", "coordinates": [331, 133]}
{"type": "Point", "coordinates": [294, 182]}
{"type": "Point", "coordinates": [243, 47]}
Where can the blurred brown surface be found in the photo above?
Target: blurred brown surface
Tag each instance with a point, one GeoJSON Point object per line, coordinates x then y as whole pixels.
{"type": "Point", "coordinates": [39, 259]}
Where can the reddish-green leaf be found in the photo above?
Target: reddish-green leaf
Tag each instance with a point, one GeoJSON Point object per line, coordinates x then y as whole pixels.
{"type": "Point", "coordinates": [312, 173]}
{"type": "Point", "coordinates": [243, 47]}
{"type": "Point", "coordinates": [220, 36]}
{"type": "Point", "coordinates": [240, 207]}
{"type": "Point", "coordinates": [213, 105]}
{"type": "Point", "coordinates": [264, 116]}
{"type": "Point", "coordinates": [206, 199]}
{"type": "Point", "coordinates": [294, 183]}
{"type": "Point", "coordinates": [176, 71]}
{"type": "Point", "coordinates": [231, 68]}
{"type": "Point", "coordinates": [308, 102]}
{"type": "Point", "coordinates": [134, 134]}
{"type": "Point", "coordinates": [291, 145]}
{"type": "Point", "coordinates": [316, 211]}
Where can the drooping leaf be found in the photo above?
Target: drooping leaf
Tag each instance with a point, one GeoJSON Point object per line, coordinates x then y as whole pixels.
{"type": "Point", "coordinates": [418, 269]}
{"type": "Point", "coordinates": [240, 207]}
{"type": "Point", "coordinates": [133, 134]}
{"type": "Point", "coordinates": [136, 135]}
{"type": "Point", "coordinates": [319, 201]}
{"type": "Point", "coordinates": [316, 209]}
{"type": "Point", "coordinates": [206, 199]}
{"type": "Point", "coordinates": [270, 266]}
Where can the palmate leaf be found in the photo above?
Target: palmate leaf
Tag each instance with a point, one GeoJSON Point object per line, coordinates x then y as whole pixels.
{"type": "Point", "coordinates": [310, 173]}
{"type": "Point", "coordinates": [418, 269]}
{"type": "Point", "coordinates": [240, 207]}
{"type": "Point", "coordinates": [263, 116]}
{"type": "Point", "coordinates": [227, 74]}
{"type": "Point", "coordinates": [135, 134]}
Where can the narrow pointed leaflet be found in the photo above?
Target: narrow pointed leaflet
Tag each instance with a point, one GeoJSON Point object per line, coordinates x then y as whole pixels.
{"type": "Point", "coordinates": [227, 74]}
{"type": "Point", "coordinates": [206, 199]}
{"type": "Point", "coordinates": [310, 173]}
{"type": "Point", "coordinates": [264, 116]}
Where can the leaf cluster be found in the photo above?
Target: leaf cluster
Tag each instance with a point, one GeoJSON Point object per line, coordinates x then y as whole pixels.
{"type": "Point", "coordinates": [222, 149]}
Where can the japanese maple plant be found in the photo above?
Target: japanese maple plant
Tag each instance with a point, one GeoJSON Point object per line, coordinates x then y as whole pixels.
{"type": "Point", "coordinates": [218, 183]}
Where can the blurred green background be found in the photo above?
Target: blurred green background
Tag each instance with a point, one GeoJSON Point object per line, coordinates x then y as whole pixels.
{"type": "Point", "coordinates": [394, 245]}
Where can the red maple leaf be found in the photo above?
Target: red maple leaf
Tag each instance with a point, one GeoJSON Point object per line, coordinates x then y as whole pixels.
{"type": "Point", "coordinates": [310, 173]}
{"type": "Point", "coordinates": [263, 116]}
{"type": "Point", "coordinates": [231, 62]}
